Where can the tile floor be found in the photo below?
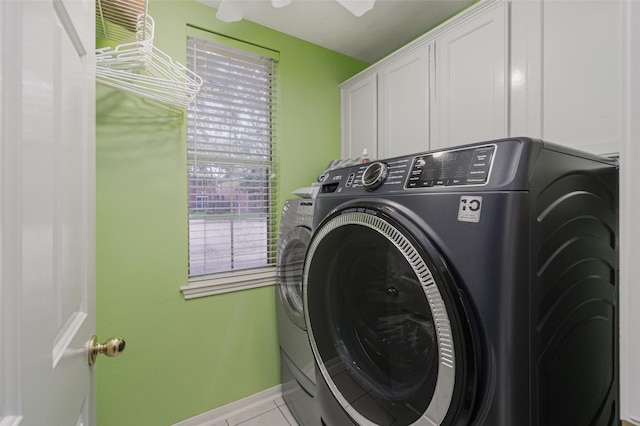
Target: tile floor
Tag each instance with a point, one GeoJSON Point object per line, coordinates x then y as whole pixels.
{"type": "Point", "coordinates": [267, 413]}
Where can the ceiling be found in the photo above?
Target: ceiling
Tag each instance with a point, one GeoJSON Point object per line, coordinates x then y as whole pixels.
{"type": "Point", "coordinates": [383, 29]}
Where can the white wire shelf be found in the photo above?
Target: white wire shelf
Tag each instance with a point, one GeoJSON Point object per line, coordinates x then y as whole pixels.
{"type": "Point", "coordinates": [132, 55]}
{"type": "Point", "coordinates": [117, 20]}
{"type": "Point", "coordinates": [162, 79]}
{"type": "Point", "coordinates": [136, 65]}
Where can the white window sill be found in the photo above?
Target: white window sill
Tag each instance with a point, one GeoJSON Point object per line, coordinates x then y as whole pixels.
{"type": "Point", "coordinates": [229, 283]}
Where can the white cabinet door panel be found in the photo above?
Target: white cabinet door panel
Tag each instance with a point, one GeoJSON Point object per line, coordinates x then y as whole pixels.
{"type": "Point", "coordinates": [404, 103]}
{"type": "Point", "coordinates": [471, 91]}
{"type": "Point", "coordinates": [359, 117]}
{"type": "Point", "coordinates": [581, 74]}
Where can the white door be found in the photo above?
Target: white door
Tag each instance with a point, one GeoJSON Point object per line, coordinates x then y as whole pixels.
{"type": "Point", "coordinates": [404, 103]}
{"type": "Point", "coordinates": [47, 247]}
{"type": "Point", "coordinates": [471, 80]}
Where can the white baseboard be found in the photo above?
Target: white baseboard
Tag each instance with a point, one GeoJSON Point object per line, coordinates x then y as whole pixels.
{"type": "Point", "coordinates": [218, 415]}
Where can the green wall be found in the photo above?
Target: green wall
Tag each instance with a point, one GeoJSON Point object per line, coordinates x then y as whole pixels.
{"type": "Point", "coordinates": [187, 357]}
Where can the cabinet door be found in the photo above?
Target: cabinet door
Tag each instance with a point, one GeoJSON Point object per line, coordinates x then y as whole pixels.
{"type": "Point", "coordinates": [581, 74]}
{"type": "Point", "coordinates": [404, 104]}
{"type": "Point", "coordinates": [471, 73]}
{"type": "Point", "coordinates": [359, 117]}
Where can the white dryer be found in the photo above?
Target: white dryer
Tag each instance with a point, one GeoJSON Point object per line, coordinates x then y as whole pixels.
{"type": "Point", "coordinates": [296, 358]}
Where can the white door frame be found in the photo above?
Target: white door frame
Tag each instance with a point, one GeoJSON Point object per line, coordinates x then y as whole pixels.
{"type": "Point", "coordinates": [629, 214]}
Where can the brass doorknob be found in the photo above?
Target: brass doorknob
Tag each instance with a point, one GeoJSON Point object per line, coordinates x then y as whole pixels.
{"type": "Point", "coordinates": [112, 347]}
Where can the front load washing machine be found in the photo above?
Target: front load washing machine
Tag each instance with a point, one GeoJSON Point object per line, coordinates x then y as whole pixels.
{"type": "Point", "coordinates": [296, 359]}
{"type": "Point", "coordinates": [475, 285]}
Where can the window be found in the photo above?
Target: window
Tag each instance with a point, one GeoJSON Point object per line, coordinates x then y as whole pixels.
{"type": "Point", "coordinates": [230, 164]}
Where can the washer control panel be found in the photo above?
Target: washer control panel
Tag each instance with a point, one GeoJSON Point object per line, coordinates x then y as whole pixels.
{"type": "Point", "coordinates": [466, 166]}
{"type": "Point", "coordinates": [452, 168]}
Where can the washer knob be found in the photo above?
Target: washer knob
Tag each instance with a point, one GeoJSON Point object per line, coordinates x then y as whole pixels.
{"type": "Point", "coordinates": [374, 175]}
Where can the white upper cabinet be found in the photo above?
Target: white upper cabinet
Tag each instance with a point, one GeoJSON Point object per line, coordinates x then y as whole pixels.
{"type": "Point", "coordinates": [447, 87]}
{"type": "Point", "coordinates": [403, 103]}
{"type": "Point", "coordinates": [540, 68]}
{"type": "Point", "coordinates": [565, 72]}
{"type": "Point", "coordinates": [359, 108]}
{"type": "Point", "coordinates": [581, 74]}
{"type": "Point", "coordinates": [471, 88]}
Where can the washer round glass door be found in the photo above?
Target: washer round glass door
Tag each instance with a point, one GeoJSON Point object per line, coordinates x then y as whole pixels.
{"type": "Point", "coordinates": [379, 321]}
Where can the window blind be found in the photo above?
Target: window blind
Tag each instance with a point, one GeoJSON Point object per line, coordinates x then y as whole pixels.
{"type": "Point", "coordinates": [230, 161]}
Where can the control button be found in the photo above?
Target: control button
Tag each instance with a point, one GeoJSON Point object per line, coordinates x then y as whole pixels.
{"type": "Point", "coordinates": [420, 162]}
{"type": "Point", "coordinates": [472, 181]}
{"type": "Point", "coordinates": [350, 180]}
{"type": "Point", "coordinates": [374, 175]}
{"type": "Point", "coordinates": [478, 172]}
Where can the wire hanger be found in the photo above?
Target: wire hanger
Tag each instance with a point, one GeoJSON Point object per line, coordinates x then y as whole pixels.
{"type": "Point", "coordinates": [131, 55]}
{"type": "Point", "coordinates": [162, 79]}
{"type": "Point", "coordinates": [138, 66]}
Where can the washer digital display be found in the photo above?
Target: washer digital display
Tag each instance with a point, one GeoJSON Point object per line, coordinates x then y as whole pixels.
{"type": "Point", "coordinates": [452, 168]}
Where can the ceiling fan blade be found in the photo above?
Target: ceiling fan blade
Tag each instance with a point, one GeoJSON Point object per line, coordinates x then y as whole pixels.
{"type": "Point", "coordinates": [230, 11]}
{"type": "Point", "coordinates": [280, 3]}
{"type": "Point", "coordinates": [357, 7]}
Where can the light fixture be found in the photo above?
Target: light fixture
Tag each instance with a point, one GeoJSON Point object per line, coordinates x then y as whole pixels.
{"type": "Point", "coordinates": [357, 7]}
{"type": "Point", "coordinates": [232, 10]}
{"type": "Point", "coordinates": [280, 3]}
